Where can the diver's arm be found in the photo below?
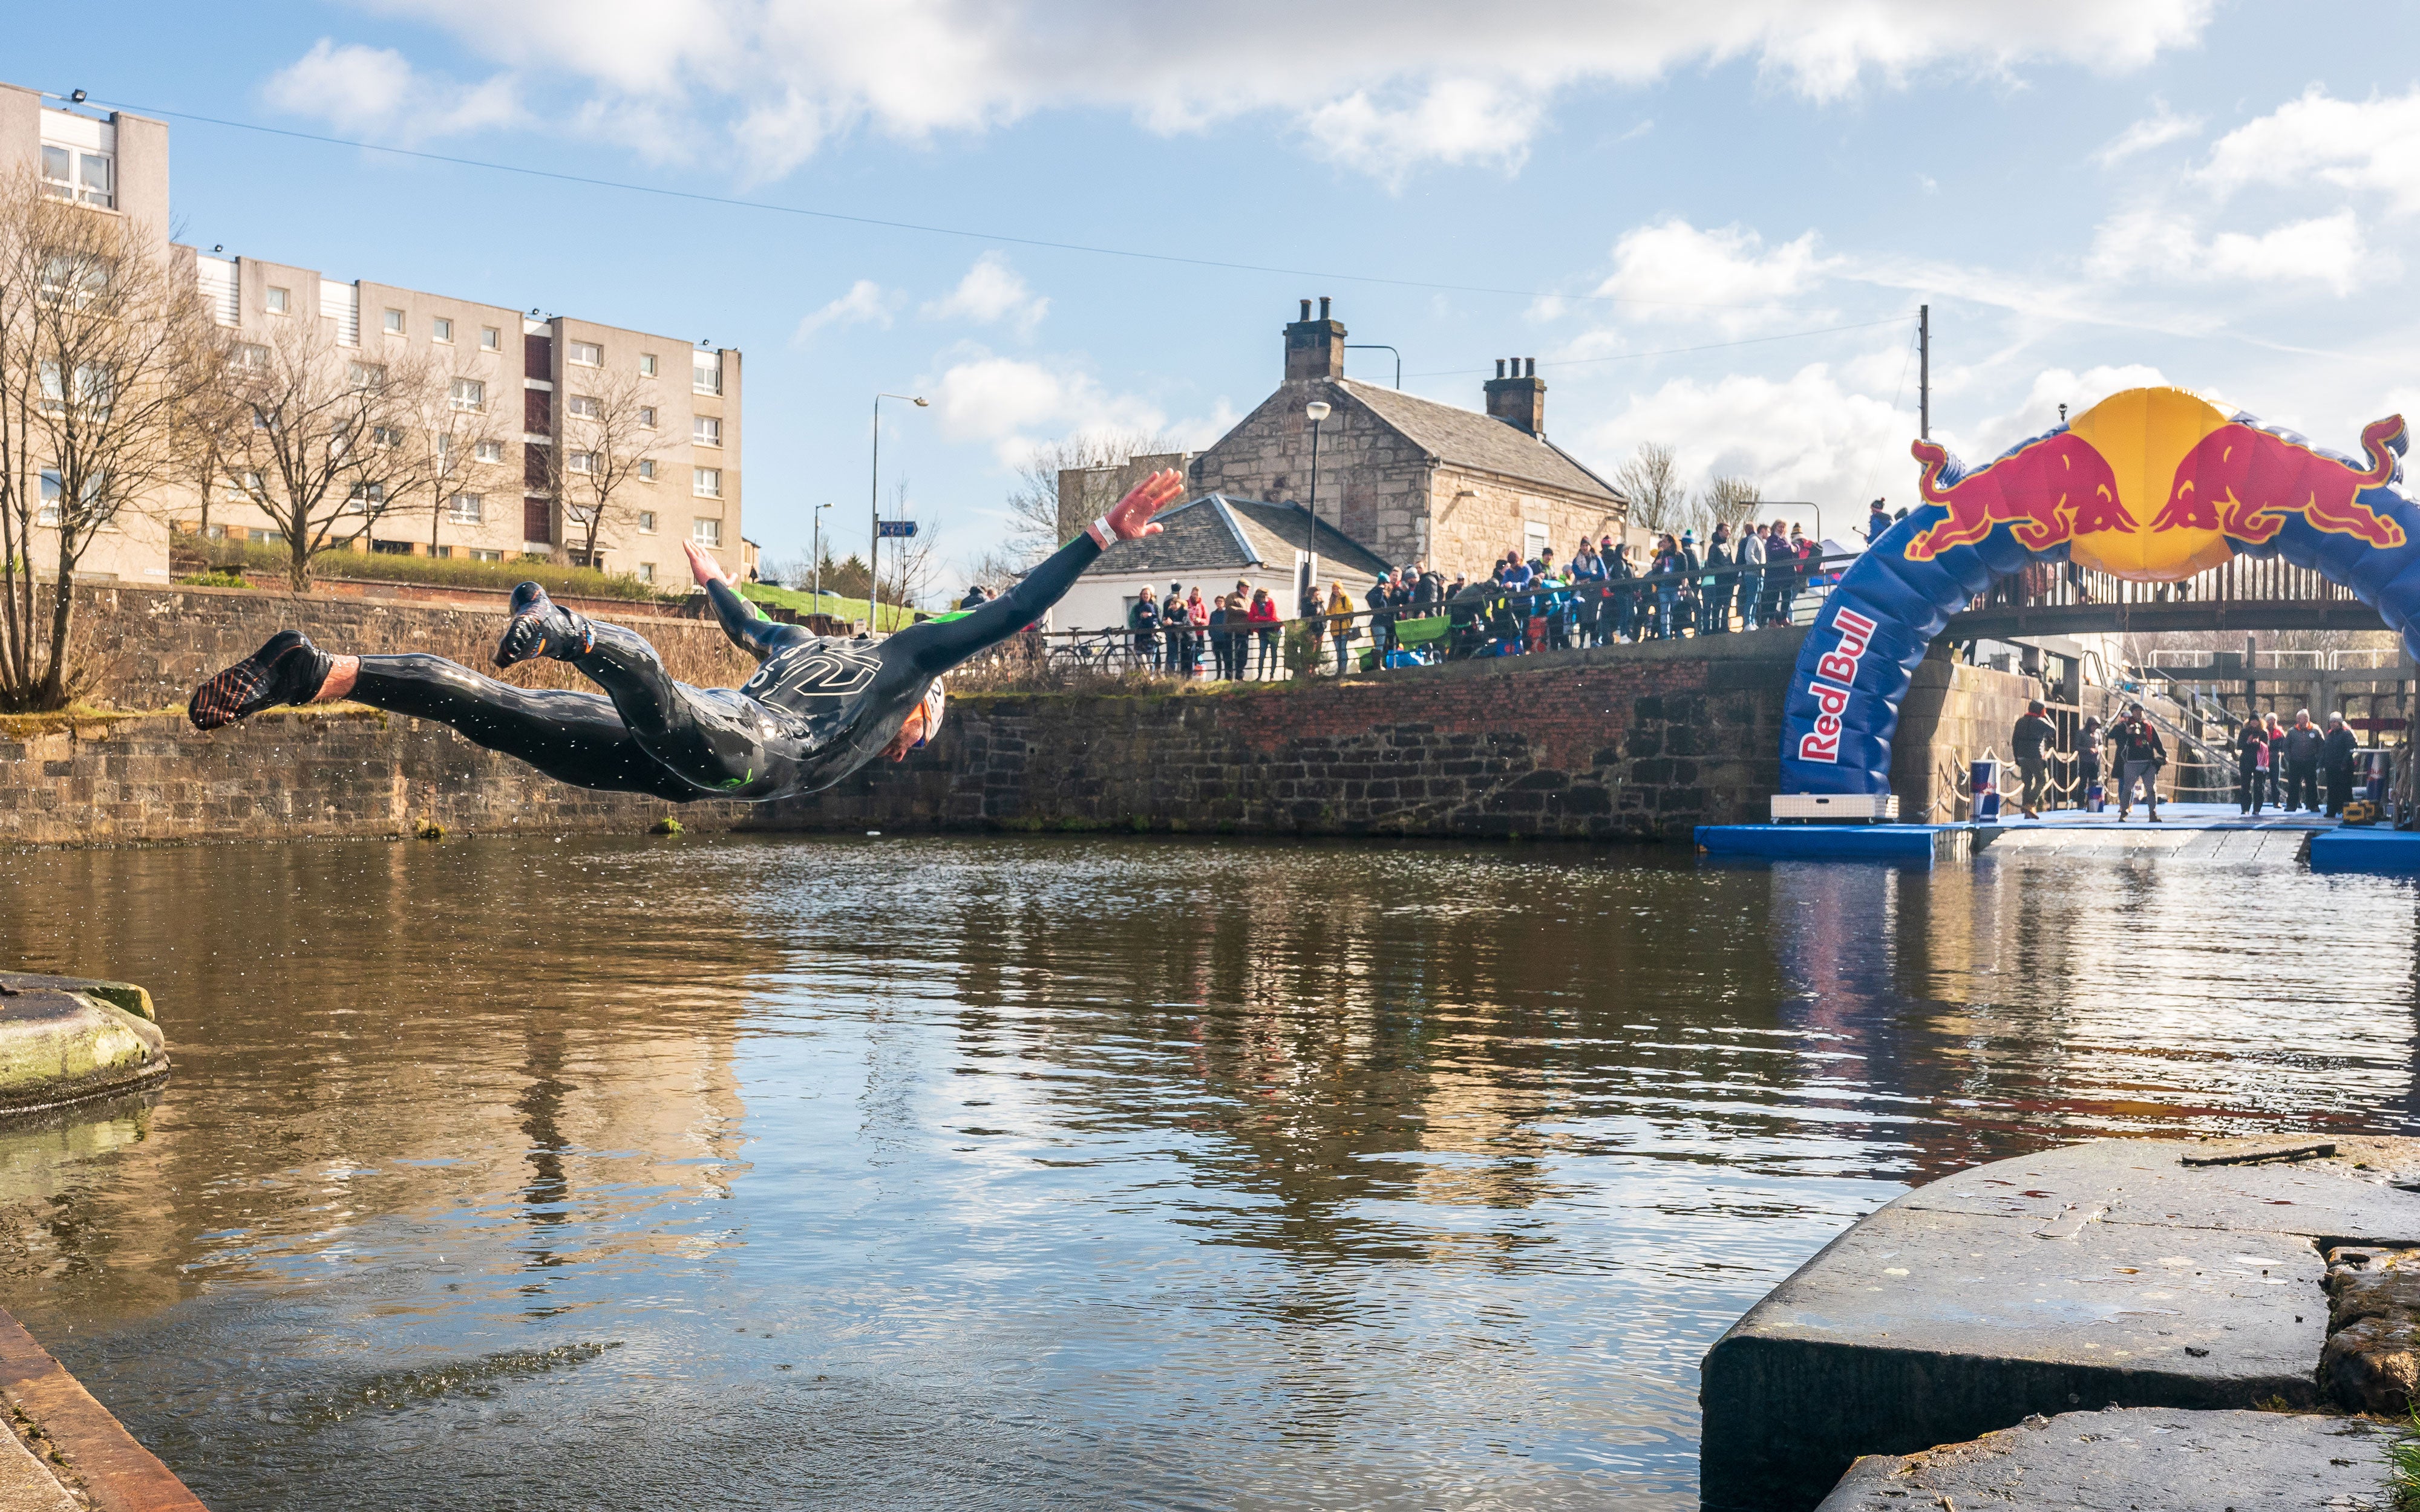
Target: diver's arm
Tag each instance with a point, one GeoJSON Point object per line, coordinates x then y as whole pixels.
{"type": "Point", "coordinates": [936, 646]}
{"type": "Point", "coordinates": [749, 630]}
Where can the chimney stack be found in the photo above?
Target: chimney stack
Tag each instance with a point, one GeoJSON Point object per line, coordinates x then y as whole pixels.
{"type": "Point", "coordinates": [1520, 400]}
{"type": "Point", "coordinates": [1314, 348]}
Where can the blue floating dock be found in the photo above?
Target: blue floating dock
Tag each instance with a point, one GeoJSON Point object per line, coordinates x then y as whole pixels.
{"type": "Point", "coordinates": [2390, 852]}
{"type": "Point", "coordinates": [1894, 844]}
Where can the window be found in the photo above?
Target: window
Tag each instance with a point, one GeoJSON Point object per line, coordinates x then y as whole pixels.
{"type": "Point", "coordinates": [248, 357]}
{"type": "Point", "coordinates": [707, 482]}
{"type": "Point", "coordinates": [646, 470]}
{"type": "Point", "coordinates": [53, 490]}
{"type": "Point", "coordinates": [442, 329]}
{"type": "Point", "coordinates": [467, 508]}
{"type": "Point", "coordinates": [490, 339]}
{"type": "Point", "coordinates": [705, 430]}
{"type": "Point", "coordinates": [581, 461]}
{"type": "Point", "coordinates": [364, 496]}
{"type": "Point", "coordinates": [707, 376]}
{"type": "Point", "coordinates": [586, 354]}
{"type": "Point", "coordinates": [385, 438]}
{"type": "Point", "coordinates": [394, 323]}
{"type": "Point", "coordinates": [392, 549]}
{"type": "Point", "coordinates": [1533, 540]}
{"type": "Point", "coordinates": [706, 531]}
{"type": "Point", "coordinates": [365, 375]}
{"type": "Point", "coordinates": [489, 451]}
{"type": "Point", "coordinates": [479, 555]}
{"type": "Point", "coordinates": [469, 393]}
{"type": "Point", "coordinates": [70, 174]}
{"type": "Point", "coordinates": [646, 522]}
{"type": "Point", "coordinates": [646, 417]}
{"type": "Point", "coordinates": [246, 487]}
{"type": "Point", "coordinates": [584, 407]}
{"type": "Point", "coordinates": [579, 514]}
{"type": "Point", "coordinates": [278, 299]}
{"type": "Point", "coordinates": [269, 537]}
{"type": "Point", "coordinates": [646, 364]}
{"type": "Point", "coordinates": [646, 572]}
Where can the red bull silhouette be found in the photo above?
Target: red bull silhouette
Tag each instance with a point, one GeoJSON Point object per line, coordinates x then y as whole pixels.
{"type": "Point", "coordinates": [2247, 481]}
{"type": "Point", "coordinates": [2049, 489]}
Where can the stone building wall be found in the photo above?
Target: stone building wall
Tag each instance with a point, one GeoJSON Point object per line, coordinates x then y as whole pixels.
{"type": "Point", "coordinates": [1374, 482]}
{"type": "Point", "coordinates": [1480, 516]}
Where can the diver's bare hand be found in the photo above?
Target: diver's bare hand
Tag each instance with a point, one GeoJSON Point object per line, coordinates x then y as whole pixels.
{"type": "Point", "coordinates": [1130, 518]}
{"type": "Point", "coordinates": [705, 569]}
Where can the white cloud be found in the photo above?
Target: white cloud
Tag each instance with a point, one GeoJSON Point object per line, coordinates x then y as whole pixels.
{"type": "Point", "coordinates": [375, 91]}
{"type": "Point", "coordinates": [991, 292]}
{"type": "Point", "coordinates": [1673, 270]}
{"type": "Point", "coordinates": [2371, 145]}
{"type": "Point", "coordinates": [2038, 410]}
{"type": "Point", "coordinates": [2156, 241]}
{"type": "Point", "coordinates": [1455, 121]}
{"type": "Point", "coordinates": [1379, 87]}
{"type": "Point", "coordinates": [1803, 437]}
{"type": "Point", "coordinates": [2157, 129]}
{"type": "Point", "coordinates": [1011, 404]}
{"type": "Point", "coordinates": [865, 303]}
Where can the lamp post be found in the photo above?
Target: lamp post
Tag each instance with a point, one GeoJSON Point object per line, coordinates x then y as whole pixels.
{"type": "Point", "coordinates": [817, 552]}
{"type": "Point", "coordinates": [873, 542]}
{"type": "Point", "coordinates": [1317, 411]}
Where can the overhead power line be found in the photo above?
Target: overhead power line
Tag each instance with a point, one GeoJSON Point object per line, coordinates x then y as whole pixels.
{"type": "Point", "coordinates": [1672, 351]}
{"type": "Point", "coordinates": [695, 196]}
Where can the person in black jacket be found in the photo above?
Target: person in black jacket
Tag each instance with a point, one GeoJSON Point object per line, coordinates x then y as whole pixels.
{"type": "Point", "coordinates": [1143, 619]}
{"type": "Point", "coordinates": [2031, 742]}
{"type": "Point", "coordinates": [2136, 748]}
{"type": "Point", "coordinates": [2336, 759]}
{"type": "Point", "coordinates": [2252, 758]}
{"type": "Point", "coordinates": [2304, 743]}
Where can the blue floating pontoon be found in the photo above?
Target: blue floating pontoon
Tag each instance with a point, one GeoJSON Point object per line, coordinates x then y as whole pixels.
{"type": "Point", "coordinates": [1896, 844]}
{"type": "Point", "coordinates": [2392, 852]}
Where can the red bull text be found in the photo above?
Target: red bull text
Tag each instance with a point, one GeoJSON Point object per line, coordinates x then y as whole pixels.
{"type": "Point", "coordinates": [1835, 673]}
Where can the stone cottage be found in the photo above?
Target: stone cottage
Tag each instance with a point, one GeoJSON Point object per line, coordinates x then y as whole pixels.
{"type": "Point", "coordinates": [1410, 478]}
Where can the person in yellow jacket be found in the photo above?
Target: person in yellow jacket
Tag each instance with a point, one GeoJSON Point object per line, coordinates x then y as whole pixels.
{"type": "Point", "coordinates": [1340, 622]}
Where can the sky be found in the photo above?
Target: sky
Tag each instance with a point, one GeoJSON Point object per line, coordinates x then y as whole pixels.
{"type": "Point", "coordinates": [1711, 224]}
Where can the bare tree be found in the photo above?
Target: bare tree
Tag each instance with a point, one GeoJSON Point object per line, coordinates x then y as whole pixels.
{"type": "Point", "coordinates": [1727, 501]}
{"type": "Point", "coordinates": [104, 342]}
{"type": "Point", "coordinates": [1652, 483]}
{"type": "Point", "coordinates": [1040, 519]}
{"type": "Point", "coordinates": [208, 434]}
{"type": "Point", "coordinates": [457, 423]}
{"type": "Point", "coordinates": [909, 565]}
{"type": "Point", "coordinates": [334, 444]}
{"type": "Point", "coordinates": [609, 439]}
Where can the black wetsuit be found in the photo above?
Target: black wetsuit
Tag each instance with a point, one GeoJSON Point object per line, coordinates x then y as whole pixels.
{"type": "Point", "coordinates": [818, 708]}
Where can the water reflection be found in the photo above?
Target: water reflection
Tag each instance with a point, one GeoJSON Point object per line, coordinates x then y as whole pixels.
{"type": "Point", "coordinates": [1004, 1173]}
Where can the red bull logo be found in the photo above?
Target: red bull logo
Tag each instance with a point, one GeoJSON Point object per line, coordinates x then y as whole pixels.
{"type": "Point", "coordinates": [1835, 674]}
{"type": "Point", "coordinates": [2152, 484]}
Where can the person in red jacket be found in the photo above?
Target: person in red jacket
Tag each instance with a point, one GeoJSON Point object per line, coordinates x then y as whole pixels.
{"type": "Point", "coordinates": [1264, 615]}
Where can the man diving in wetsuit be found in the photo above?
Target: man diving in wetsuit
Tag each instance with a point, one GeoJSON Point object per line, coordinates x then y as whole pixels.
{"type": "Point", "coordinates": [818, 708]}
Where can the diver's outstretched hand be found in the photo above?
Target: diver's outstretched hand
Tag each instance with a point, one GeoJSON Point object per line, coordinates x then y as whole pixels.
{"type": "Point", "coordinates": [706, 569]}
{"type": "Point", "coordinates": [1130, 518]}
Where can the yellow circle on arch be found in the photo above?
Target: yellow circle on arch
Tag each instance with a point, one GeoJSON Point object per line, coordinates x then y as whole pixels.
{"type": "Point", "coordinates": [2144, 434]}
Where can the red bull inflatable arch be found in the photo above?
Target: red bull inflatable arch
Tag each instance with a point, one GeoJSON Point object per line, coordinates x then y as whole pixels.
{"type": "Point", "coordinates": [2154, 485]}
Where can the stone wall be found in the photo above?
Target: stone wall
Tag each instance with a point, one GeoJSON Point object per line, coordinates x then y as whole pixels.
{"type": "Point", "coordinates": [1640, 743]}
{"type": "Point", "coordinates": [149, 646]}
{"type": "Point", "coordinates": [1373, 481]}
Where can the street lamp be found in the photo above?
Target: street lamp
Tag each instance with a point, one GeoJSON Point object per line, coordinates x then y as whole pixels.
{"type": "Point", "coordinates": [873, 545]}
{"type": "Point", "coordinates": [1317, 411]}
{"type": "Point", "coordinates": [816, 552]}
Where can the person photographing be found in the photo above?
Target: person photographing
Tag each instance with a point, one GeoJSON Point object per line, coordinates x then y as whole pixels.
{"type": "Point", "coordinates": [2138, 753]}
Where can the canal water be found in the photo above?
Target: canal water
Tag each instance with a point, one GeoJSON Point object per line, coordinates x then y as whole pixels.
{"type": "Point", "coordinates": [602, 1173]}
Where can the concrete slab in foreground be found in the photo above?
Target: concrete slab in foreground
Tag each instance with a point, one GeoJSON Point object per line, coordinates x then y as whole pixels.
{"type": "Point", "coordinates": [2112, 1461]}
{"type": "Point", "coordinates": [2111, 1272]}
{"type": "Point", "coordinates": [71, 1039]}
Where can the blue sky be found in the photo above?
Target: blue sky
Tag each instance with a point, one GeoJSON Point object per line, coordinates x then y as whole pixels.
{"type": "Point", "coordinates": [2089, 194]}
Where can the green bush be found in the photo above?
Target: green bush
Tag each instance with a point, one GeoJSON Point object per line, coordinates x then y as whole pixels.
{"type": "Point", "coordinates": [216, 578]}
{"type": "Point", "coordinates": [223, 558]}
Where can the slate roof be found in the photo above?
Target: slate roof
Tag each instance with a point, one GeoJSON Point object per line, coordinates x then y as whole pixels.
{"type": "Point", "coordinates": [1468, 438]}
{"type": "Point", "coordinates": [1220, 534]}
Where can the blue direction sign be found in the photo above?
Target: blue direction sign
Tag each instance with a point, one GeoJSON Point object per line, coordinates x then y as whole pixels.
{"type": "Point", "coordinates": [892, 527]}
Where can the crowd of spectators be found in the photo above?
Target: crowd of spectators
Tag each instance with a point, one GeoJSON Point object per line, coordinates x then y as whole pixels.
{"type": "Point", "coordinates": [2286, 764]}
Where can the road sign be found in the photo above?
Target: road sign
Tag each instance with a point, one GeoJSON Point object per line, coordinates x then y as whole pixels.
{"type": "Point", "coordinates": [892, 529]}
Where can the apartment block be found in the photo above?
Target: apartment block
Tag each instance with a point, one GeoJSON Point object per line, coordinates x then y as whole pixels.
{"type": "Point", "coordinates": [526, 392]}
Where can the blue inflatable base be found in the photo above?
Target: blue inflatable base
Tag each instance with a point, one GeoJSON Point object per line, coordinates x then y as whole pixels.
{"type": "Point", "coordinates": [1896, 844]}
{"type": "Point", "coordinates": [2387, 852]}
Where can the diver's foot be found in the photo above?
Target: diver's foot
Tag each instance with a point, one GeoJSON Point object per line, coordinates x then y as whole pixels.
{"type": "Point", "coordinates": [287, 669]}
{"type": "Point", "coordinates": [542, 627]}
